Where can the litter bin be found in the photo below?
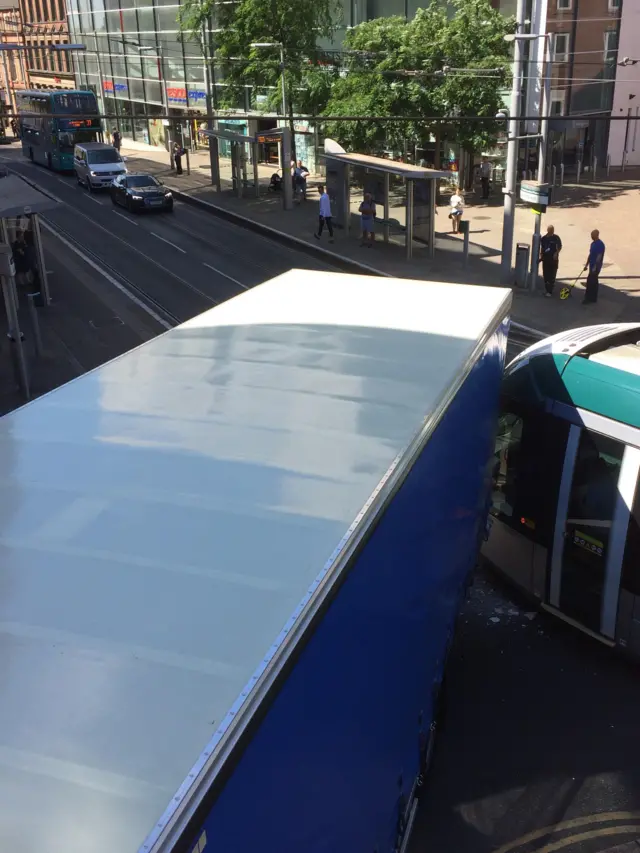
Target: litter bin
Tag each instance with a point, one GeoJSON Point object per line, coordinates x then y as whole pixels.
{"type": "Point", "coordinates": [522, 264]}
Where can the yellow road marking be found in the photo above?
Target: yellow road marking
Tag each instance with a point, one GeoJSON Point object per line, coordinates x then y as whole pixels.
{"type": "Point", "coordinates": [585, 836]}
{"type": "Point", "coordinates": [604, 817]}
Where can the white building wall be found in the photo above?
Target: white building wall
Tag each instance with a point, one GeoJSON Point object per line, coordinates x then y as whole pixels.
{"type": "Point", "coordinates": [626, 96]}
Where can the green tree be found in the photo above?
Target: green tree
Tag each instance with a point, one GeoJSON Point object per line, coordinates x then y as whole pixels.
{"type": "Point", "coordinates": [295, 24]}
{"type": "Point", "coordinates": [399, 68]}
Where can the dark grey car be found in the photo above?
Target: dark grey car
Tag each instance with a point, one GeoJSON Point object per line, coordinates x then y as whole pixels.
{"type": "Point", "coordinates": [139, 192]}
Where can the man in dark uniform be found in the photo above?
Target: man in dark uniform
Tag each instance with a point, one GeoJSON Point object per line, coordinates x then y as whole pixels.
{"type": "Point", "coordinates": [550, 248]}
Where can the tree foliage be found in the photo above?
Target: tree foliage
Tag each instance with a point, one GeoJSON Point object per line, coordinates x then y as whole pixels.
{"type": "Point", "coordinates": [468, 34]}
{"type": "Point", "coordinates": [295, 24]}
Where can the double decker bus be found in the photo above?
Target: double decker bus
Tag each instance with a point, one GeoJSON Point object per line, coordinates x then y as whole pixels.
{"type": "Point", "coordinates": [47, 136]}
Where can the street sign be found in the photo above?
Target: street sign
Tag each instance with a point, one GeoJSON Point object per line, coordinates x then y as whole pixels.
{"type": "Point", "coordinates": [535, 193]}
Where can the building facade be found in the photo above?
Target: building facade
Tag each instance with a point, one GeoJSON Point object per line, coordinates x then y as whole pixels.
{"type": "Point", "coordinates": [14, 75]}
{"type": "Point", "coordinates": [45, 25]}
{"type": "Point", "coordinates": [138, 63]}
{"type": "Point", "coordinates": [584, 54]}
{"type": "Point", "coordinates": [624, 135]}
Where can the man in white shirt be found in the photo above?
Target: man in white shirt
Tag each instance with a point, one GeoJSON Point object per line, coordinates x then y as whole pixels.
{"type": "Point", "coordinates": [485, 176]}
{"type": "Point", "coordinates": [325, 214]}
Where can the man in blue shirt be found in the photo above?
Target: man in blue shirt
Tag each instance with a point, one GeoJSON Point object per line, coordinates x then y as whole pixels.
{"type": "Point", "coordinates": [594, 265]}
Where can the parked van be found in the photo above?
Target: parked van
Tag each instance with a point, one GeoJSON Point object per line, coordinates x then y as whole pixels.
{"type": "Point", "coordinates": [96, 164]}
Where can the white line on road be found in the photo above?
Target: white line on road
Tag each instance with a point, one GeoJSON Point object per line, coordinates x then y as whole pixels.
{"type": "Point", "coordinates": [130, 221]}
{"type": "Point", "coordinates": [93, 198]}
{"type": "Point", "coordinates": [106, 275]}
{"type": "Point", "coordinates": [62, 181]}
{"type": "Point", "coordinates": [169, 242]}
{"type": "Point", "coordinates": [234, 280]}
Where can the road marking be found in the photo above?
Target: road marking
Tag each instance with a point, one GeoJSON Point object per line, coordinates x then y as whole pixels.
{"type": "Point", "coordinates": [234, 280]}
{"type": "Point", "coordinates": [128, 219]}
{"type": "Point", "coordinates": [62, 181]}
{"type": "Point", "coordinates": [169, 242]}
{"type": "Point", "coordinates": [106, 275]}
{"type": "Point", "coordinates": [93, 198]}
{"type": "Point", "coordinates": [604, 817]}
{"type": "Point", "coordinates": [592, 833]}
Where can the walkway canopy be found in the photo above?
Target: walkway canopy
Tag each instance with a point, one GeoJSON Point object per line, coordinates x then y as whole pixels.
{"type": "Point", "coordinates": [420, 195]}
{"type": "Point", "coordinates": [18, 198]}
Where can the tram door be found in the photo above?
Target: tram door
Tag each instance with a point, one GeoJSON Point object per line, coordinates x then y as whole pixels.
{"type": "Point", "coordinates": [587, 507]}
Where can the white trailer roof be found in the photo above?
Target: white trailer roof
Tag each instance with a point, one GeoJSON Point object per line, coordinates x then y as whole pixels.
{"type": "Point", "coordinates": [162, 517]}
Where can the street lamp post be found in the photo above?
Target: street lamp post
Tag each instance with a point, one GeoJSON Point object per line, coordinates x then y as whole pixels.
{"type": "Point", "coordinates": [509, 188]}
{"type": "Point", "coordinates": [282, 76]}
{"type": "Point", "coordinates": [542, 155]}
{"type": "Point", "coordinates": [142, 48]}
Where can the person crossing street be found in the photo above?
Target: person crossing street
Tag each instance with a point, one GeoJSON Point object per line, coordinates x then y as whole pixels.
{"type": "Point", "coordinates": [325, 214]}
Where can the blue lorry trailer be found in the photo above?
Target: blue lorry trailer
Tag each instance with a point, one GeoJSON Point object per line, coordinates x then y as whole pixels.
{"type": "Point", "coordinates": [231, 561]}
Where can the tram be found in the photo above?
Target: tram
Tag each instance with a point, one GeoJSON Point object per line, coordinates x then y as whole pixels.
{"type": "Point", "coordinates": [564, 523]}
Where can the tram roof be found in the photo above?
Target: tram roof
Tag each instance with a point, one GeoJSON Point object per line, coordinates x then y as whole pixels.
{"type": "Point", "coordinates": [596, 368]}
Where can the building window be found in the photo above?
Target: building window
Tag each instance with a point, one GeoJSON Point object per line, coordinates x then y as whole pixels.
{"type": "Point", "coordinates": [610, 45]}
{"type": "Point", "coordinates": [561, 47]}
{"type": "Point", "coordinates": [563, 5]}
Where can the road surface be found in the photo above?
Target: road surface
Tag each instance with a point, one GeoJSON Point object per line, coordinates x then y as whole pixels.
{"type": "Point", "coordinates": [178, 264]}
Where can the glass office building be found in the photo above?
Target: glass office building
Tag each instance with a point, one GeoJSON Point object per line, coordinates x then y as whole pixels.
{"type": "Point", "coordinates": [137, 63]}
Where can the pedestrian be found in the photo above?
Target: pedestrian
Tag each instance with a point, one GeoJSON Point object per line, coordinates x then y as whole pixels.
{"type": "Point", "coordinates": [550, 248]}
{"type": "Point", "coordinates": [485, 177]}
{"type": "Point", "coordinates": [594, 265]}
{"type": "Point", "coordinates": [178, 154]}
{"type": "Point", "coordinates": [20, 259]}
{"type": "Point", "coordinates": [117, 140]}
{"type": "Point", "coordinates": [367, 219]}
{"type": "Point", "coordinates": [300, 180]}
{"type": "Point", "coordinates": [325, 214]}
{"type": "Point", "coordinates": [456, 203]}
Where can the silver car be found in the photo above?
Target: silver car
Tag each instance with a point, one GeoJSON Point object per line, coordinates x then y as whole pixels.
{"type": "Point", "coordinates": [97, 164]}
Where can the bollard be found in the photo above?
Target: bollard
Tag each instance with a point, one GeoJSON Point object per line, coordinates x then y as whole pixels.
{"type": "Point", "coordinates": [624, 159]}
{"type": "Point", "coordinates": [35, 322]}
{"type": "Point", "coordinates": [578, 172]}
{"type": "Point", "coordinates": [562, 174]}
{"type": "Point", "coordinates": [608, 164]}
{"type": "Point", "coordinates": [464, 227]}
{"type": "Point", "coordinates": [188, 161]}
{"type": "Point", "coordinates": [553, 176]}
{"type": "Point", "coordinates": [594, 168]}
{"type": "Point", "coordinates": [522, 264]}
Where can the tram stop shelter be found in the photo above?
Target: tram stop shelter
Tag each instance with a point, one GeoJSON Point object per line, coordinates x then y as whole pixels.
{"type": "Point", "coordinates": [420, 196]}
{"type": "Point", "coordinates": [239, 143]}
{"type": "Point", "coordinates": [20, 206]}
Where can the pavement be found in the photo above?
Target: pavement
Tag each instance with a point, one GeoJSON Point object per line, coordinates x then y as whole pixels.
{"type": "Point", "coordinates": [539, 751]}
{"type": "Point", "coordinates": [609, 204]}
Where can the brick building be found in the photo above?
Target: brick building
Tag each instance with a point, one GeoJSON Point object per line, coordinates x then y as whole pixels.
{"type": "Point", "coordinates": [45, 24]}
{"type": "Point", "coordinates": [12, 62]}
{"type": "Point", "coordinates": [586, 34]}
